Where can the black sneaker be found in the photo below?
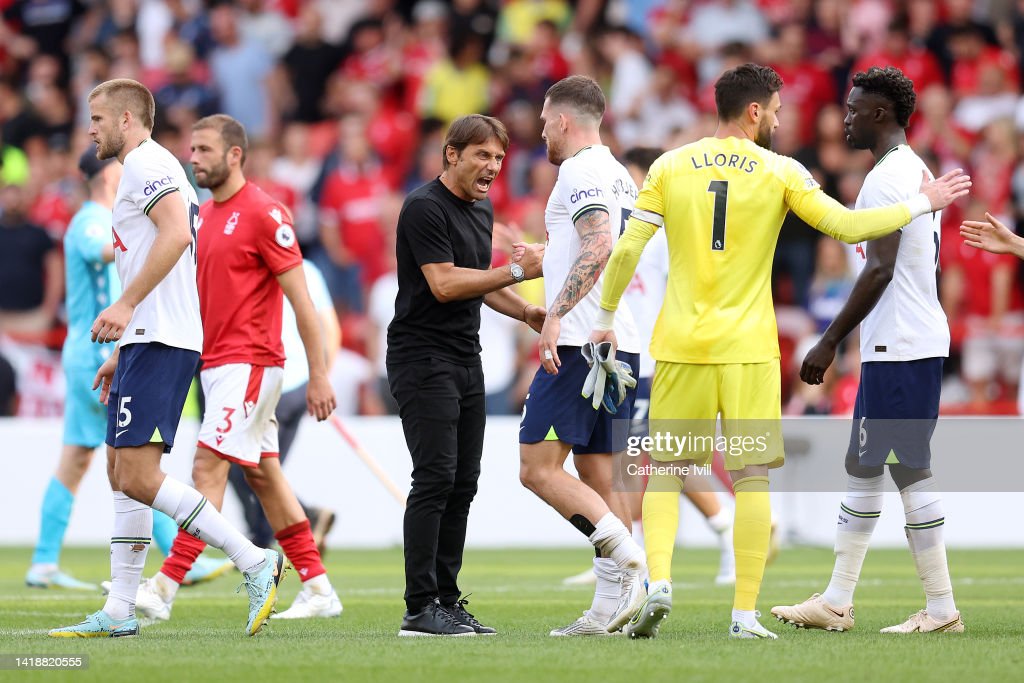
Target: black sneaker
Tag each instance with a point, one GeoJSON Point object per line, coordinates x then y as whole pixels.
{"type": "Point", "coordinates": [434, 620]}
{"type": "Point", "coordinates": [458, 610]}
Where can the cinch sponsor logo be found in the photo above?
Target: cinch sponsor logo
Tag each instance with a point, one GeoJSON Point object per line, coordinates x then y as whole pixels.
{"type": "Point", "coordinates": [585, 193]}
{"type": "Point", "coordinates": [156, 185]}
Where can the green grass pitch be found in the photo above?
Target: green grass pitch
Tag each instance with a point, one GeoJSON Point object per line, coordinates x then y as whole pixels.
{"type": "Point", "coordinates": [519, 592]}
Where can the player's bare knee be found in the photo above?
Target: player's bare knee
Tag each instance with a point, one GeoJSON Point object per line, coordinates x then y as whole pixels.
{"type": "Point", "coordinates": [257, 479]}
{"type": "Point", "coordinates": [904, 476]}
{"type": "Point", "coordinates": [855, 469]}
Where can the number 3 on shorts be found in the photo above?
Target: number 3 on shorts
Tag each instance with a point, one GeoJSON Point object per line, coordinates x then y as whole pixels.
{"type": "Point", "coordinates": [124, 415]}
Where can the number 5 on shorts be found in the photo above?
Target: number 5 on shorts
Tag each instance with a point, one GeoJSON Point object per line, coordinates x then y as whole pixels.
{"type": "Point", "coordinates": [124, 415]}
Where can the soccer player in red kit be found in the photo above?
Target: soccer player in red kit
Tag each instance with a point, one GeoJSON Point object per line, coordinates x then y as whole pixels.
{"type": "Point", "coordinates": [247, 256]}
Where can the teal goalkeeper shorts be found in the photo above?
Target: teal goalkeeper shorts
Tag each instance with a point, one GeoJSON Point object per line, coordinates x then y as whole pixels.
{"type": "Point", "coordinates": [85, 418]}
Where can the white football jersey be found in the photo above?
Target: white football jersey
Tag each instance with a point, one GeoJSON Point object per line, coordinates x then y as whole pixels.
{"type": "Point", "coordinates": [170, 313]}
{"type": "Point", "coordinates": [646, 294]}
{"type": "Point", "coordinates": [590, 179]}
{"type": "Point", "coordinates": [907, 323]}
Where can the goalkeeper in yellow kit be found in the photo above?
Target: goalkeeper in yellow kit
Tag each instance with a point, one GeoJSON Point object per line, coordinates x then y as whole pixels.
{"type": "Point", "coordinates": [721, 201]}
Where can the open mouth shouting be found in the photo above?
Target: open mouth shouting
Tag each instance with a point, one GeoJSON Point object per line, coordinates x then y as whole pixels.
{"type": "Point", "coordinates": [483, 184]}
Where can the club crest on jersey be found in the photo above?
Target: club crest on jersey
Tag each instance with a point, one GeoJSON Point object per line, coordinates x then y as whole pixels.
{"type": "Point", "coordinates": [232, 223]}
{"type": "Point", "coordinates": [154, 186]}
{"type": "Point", "coordinates": [285, 236]}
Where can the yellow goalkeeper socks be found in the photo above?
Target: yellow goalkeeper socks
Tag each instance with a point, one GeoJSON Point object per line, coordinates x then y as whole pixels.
{"type": "Point", "coordinates": [661, 522]}
{"type": "Point", "coordinates": [751, 531]}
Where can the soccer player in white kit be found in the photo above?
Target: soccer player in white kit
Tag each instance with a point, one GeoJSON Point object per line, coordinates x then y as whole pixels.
{"type": "Point", "coordinates": [156, 324]}
{"type": "Point", "coordinates": [585, 214]}
{"type": "Point", "coordinates": [904, 338]}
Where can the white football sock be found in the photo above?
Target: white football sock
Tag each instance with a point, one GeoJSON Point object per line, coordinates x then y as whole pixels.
{"type": "Point", "coordinates": [606, 592]}
{"type": "Point", "coordinates": [720, 522]}
{"type": "Point", "coordinates": [133, 524]}
{"type": "Point", "coordinates": [166, 587]}
{"type": "Point", "coordinates": [746, 618]}
{"type": "Point", "coordinates": [858, 515]}
{"type": "Point", "coordinates": [190, 510]}
{"type": "Point", "coordinates": [614, 540]}
{"type": "Point", "coordinates": [318, 585]}
{"type": "Point", "coordinates": [925, 519]}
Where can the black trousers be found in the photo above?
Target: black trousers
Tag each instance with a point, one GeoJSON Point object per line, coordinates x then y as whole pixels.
{"type": "Point", "coordinates": [442, 409]}
{"type": "Point", "coordinates": [289, 412]}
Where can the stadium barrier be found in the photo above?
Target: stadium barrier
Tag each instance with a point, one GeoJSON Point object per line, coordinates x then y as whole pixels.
{"type": "Point", "coordinates": [326, 472]}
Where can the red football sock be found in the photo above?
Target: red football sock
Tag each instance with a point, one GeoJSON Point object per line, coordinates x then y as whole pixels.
{"type": "Point", "coordinates": [300, 549]}
{"type": "Point", "coordinates": [184, 552]}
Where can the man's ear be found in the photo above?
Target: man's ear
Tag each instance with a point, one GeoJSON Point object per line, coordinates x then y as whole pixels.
{"type": "Point", "coordinates": [755, 111]}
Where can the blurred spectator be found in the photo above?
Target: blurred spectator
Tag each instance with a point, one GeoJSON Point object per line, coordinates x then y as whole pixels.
{"type": "Point", "coordinates": [630, 83]}
{"type": "Point", "coordinates": [459, 85]}
{"type": "Point", "coordinates": [259, 162]}
{"type": "Point", "coordinates": [13, 164]}
{"type": "Point", "coordinates": [240, 71]}
{"type": "Point", "coordinates": [518, 18]}
{"type": "Point", "coordinates": [351, 237]}
{"type": "Point", "coordinates": [262, 24]}
{"type": "Point", "coordinates": [914, 61]}
{"type": "Point", "coordinates": [370, 57]}
{"type": "Point", "coordinates": [391, 131]}
{"type": "Point", "coordinates": [935, 129]}
{"type": "Point", "coordinates": [659, 113]}
{"type": "Point", "coordinates": [183, 99]}
{"type": "Point", "coordinates": [957, 19]}
{"type": "Point", "coordinates": [31, 272]}
{"type": "Point", "coordinates": [427, 43]}
{"type": "Point", "coordinates": [994, 160]}
{"type": "Point", "coordinates": [808, 87]}
{"type": "Point", "coordinates": [308, 64]}
{"type": "Point", "coordinates": [717, 23]}
{"type": "Point", "coordinates": [472, 16]}
{"type": "Point", "coordinates": [979, 293]}
{"type": "Point", "coordinates": [297, 169]}
{"type": "Point", "coordinates": [831, 284]}
{"type": "Point", "coordinates": [32, 27]}
{"type": "Point", "coordinates": [971, 57]}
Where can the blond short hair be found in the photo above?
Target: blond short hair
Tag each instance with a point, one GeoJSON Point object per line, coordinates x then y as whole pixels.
{"type": "Point", "coordinates": [128, 95]}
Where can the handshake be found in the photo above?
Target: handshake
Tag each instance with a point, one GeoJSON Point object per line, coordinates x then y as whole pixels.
{"type": "Point", "coordinates": [609, 379]}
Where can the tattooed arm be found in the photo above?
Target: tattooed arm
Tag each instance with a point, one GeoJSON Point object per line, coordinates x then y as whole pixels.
{"type": "Point", "coordinates": [595, 234]}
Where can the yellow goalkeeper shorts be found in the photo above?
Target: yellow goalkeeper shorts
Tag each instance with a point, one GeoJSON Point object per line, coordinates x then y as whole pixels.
{"type": "Point", "coordinates": [687, 398]}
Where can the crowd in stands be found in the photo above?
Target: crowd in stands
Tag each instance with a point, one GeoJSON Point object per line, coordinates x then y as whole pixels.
{"type": "Point", "coordinates": [346, 103]}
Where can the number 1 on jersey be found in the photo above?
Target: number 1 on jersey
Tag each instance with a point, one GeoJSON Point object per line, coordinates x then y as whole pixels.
{"type": "Point", "coordinates": [721, 190]}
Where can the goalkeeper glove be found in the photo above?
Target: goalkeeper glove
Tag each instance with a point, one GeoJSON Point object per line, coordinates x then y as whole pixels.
{"type": "Point", "coordinates": [594, 384]}
{"type": "Point", "coordinates": [619, 378]}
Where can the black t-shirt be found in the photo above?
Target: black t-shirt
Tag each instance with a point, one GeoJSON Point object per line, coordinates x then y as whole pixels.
{"type": "Point", "coordinates": [23, 250]}
{"type": "Point", "coordinates": [435, 226]}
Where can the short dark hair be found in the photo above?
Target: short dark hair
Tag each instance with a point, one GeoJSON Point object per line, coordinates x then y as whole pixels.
{"type": "Point", "coordinates": [642, 157]}
{"type": "Point", "coordinates": [231, 131]}
{"type": "Point", "coordinates": [738, 87]}
{"type": "Point", "coordinates": [582, 93]}
{"type": "Point", "coordinates": [474, 129]}
{"type": "Point", "coordinates": [891, 84]}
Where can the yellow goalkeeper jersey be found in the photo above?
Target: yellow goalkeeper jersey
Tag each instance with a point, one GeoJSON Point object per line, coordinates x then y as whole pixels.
{"type": "Point", "coordinates": [723, 201]}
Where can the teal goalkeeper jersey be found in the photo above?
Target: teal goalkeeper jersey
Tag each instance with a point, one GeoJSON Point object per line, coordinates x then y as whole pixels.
{"type": "Point", "coordinates": [90, 284]}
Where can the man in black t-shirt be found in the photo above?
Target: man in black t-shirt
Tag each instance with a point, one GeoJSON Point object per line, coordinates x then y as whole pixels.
{"type": "Point", "coordinates": [433, 362]}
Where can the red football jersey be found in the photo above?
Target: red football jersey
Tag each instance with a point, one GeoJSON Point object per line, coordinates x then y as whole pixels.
{"type": "Point", "coordinates": [244, 244]}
